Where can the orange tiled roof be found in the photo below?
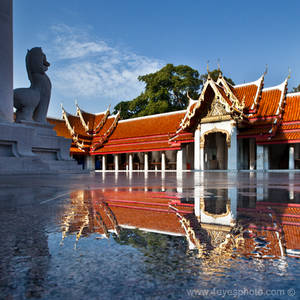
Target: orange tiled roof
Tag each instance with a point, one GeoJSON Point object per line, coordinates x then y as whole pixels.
{"type": "Point", "coordinates": [78, 128]}
{"type": "Point", "coordinates": [286, 136]}
{"type": "Point", "coordinates": [60, 127]}
{"type": "Point", "coordinates": [247, 92]}
{"type": "Point", "coordinates": [62, 130]}
{"type": "Point", "coordinates": [292, 107]}
{"type": "Point", "coordinates": [148, 126]}
{"type": "Point", "coordinates": [142, 134]}
{"type": "Point", "coordinates": [222, 92]}
{"type": "Point", "coordinates": [272, 117]}
{"type": "Point", "coordinates": [89, 119]}
{"type": "Point", "coordinates": [100, 120]}
{"type": "Point", "coordinates": [269, 103]}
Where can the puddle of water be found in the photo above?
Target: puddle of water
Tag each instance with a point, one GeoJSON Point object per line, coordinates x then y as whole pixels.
{"type": "Point", "coordinates": [170, 238]}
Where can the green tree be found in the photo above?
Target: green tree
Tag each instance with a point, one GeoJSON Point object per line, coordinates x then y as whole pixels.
{"type": "Point", "coordinates": [214, 74]}
{"type": "Point", "coordinates": [165, 91]}
{"type": "Point", "coordinates": [296, 89]}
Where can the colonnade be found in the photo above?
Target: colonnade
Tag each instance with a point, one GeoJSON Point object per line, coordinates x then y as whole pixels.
{"type": "Point", "coordinates": [256, 156]}
{"type": "Point", "coordinates": [161, 161]}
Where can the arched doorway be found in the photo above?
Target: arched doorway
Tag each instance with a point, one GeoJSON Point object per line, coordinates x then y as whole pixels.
{"type": "Point", "coordinates": [215, 151]}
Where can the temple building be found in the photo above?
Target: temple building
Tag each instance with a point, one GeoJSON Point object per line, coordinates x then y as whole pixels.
{"type": "Point", "coordinates": [240, 127]}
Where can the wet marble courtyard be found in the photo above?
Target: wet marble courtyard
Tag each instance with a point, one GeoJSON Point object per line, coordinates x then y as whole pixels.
{"type": "Point", "coordinates": [193, 235]}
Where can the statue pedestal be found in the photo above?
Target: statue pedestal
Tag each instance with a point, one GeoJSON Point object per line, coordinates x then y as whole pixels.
{"type": "Point", "coordinates": [31, 147]}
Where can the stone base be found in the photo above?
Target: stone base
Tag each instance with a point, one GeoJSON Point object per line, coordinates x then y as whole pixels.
{"type": "Point", "coordinates": [30, 147]}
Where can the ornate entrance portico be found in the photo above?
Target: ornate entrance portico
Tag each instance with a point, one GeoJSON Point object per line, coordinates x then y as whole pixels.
{"type": "Point", "coordinates": [216, 116]}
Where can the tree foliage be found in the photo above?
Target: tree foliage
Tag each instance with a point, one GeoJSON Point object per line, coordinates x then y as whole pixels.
{"type": "Point", "coordinates": [214, 74]}
{"type": "Point", "coordinates": [165, 91]}
{"type": "Point", "coordinates": [296, 89]}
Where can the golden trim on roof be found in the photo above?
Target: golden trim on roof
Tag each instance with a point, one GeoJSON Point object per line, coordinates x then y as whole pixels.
{"type": "Point", "coordinates": [280, 108]}
{"type": "Point", "coordinates": [65, 117]}
{"type": "Point", "coordinates": [103, 120]}
{"type": "Point", "coordinates": [79, 114]}
{"type": "Point", "coordinates": [108, 132]}
{"type": "Point", "coordinates": [232, 106]}
{"type": "Point", "coordinates": [75, 137]}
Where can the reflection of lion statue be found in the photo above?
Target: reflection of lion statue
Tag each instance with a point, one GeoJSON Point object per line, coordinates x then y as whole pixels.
{"type": "Point", "coordinates": [32, 103]}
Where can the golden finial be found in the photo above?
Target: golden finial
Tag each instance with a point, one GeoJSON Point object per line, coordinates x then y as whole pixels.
{"type": "Point", "coordinates": [290, 71]}
{"type": "Point", "coordinates": [266, 70]}
{"type": "Point", "coordinates": [219, 68]}
{"type": "Point", "coordinates": [207, 68]}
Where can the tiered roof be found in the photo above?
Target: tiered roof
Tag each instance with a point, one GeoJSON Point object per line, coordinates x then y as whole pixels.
{"type": "Point", "coordinates": [270, 115]}
{"type": "Point", "coordinates": [103, 134]}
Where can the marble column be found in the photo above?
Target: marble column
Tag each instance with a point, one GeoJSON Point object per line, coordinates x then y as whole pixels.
{"type": "Point", "coordinates": [259, 157]}
{"type": "Point", "coordinates": [90, 162]}
{"type": "Point", "coordinates": [202, 157]}
{"type": "Point", "coordinates": [163, 161]}
{"type": "Point", "coordinates": [181, 160]}
{"type": "Point", "coordinates": [252, 154]}
{"type": "Point", "coordinates": [130, 156]}
{"type": "Point", "coordinates": [197, 148]}
{"type": "Point", "coordinates": [233, 150]}
{"type": "Point", "coordinates": [103, 163]}
{"type": "Point", "coordinates": [116, 162]}
{"type": "Point", "coordinates": [266, 157]}
{"type": "Point", "coordinates": [262, 157]}
{"type": "Point", "coordinates": [146, 165]}
{"type": "Point", "coordinates": [6, 61]}
{"type": "Point", "coordinates": [291, 157]}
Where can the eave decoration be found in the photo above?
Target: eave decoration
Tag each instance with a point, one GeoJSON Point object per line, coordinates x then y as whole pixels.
{"type": "Point", "coordinates": [78, 113]}
{"type": "Point", "coordinates": [226, 105]}
{"type": "Point", "coordinates": [106, 135]}
{"type": "Point", "coordinates": [280, 109]}
{"type": "Point", "coordinates": [75, 137]}
{"type": "Point", "coordinates": [103, 120]}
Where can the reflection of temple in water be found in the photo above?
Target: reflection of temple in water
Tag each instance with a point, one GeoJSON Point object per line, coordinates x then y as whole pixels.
{"type": "Point", "coordinates": [216, 225]}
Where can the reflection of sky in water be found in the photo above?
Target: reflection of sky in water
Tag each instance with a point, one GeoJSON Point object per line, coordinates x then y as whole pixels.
{"type": "Point", "coordinates": [118, 237]}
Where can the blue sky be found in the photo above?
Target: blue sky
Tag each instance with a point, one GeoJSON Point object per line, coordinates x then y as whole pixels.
{"type": "Point", "coordinates": [98, 48]}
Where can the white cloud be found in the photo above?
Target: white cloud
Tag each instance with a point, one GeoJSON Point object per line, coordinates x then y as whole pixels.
{"type": "Point", "coordinates": [87, 68]}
